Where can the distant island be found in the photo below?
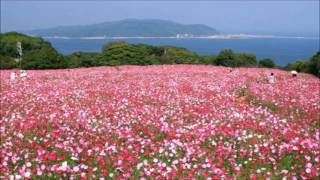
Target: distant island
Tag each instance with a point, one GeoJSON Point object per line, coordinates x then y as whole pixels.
{"type": "Point", "coordinates": [143, 29]}
{"type": "Point", "coordinates": [128, 28]}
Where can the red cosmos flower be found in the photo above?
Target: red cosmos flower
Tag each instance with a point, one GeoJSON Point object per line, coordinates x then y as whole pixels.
{"type": "Point", "coordinates": [104, 172]}
{"type": "Point", "coordinates": [253, 176]}
{"type": "Point", "coordinates": [130, 159]}
{"type": "Point", "coordinates": [102, 163]}
{"type": "Point", "coordinates": [52, 156]}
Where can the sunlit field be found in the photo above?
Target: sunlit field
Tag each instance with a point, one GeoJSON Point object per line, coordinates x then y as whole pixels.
{"type": "Point", "coordinates": [183, 121]}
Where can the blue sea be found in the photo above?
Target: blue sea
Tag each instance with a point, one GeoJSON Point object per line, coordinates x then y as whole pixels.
{"type": "Point", "coordinates": [281, 50]}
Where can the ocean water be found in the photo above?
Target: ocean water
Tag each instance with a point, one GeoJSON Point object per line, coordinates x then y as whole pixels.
{"type": "Point", "coordinates": [281, 50]}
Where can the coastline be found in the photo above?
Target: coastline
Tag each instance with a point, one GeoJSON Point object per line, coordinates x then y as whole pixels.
{"type": "Point", "coordinates": [220, 36]}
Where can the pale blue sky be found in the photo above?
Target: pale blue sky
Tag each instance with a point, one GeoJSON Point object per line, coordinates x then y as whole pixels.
{"type": "Point", "coordinates": [260, 17]}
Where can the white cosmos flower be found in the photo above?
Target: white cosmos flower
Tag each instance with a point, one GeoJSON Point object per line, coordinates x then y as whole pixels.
{"type": "Point", "coordinates": [20, 135]}
{"type": "Point", "coordinates": [27, 174]}
{"type": "Point", "coordinates": [39, 173]}
{"type": "Point", "coordinates": [11, 177]}
{"type": "Point", "coordinates": [308, 170]}
{"type": "Point", "coordinates": [64, 166]}
{"type": "Point", "coordinates": [139, 166]}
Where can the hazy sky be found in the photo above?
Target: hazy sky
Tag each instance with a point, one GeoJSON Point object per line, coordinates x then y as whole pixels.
{"type": "Point", "coordinates": [269, 17]}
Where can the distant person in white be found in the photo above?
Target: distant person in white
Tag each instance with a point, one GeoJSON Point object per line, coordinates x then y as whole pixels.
{"type": "Point", "coordinates": [271, 78]}
{"type": "Point", "coordinates": [23, 74]}
{"type": "Point", "coordinates": [294, 73]}
{"type": "Point", "coordinates": [13, 76]}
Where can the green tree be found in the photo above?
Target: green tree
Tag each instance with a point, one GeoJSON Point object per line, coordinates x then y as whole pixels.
{"type": "Point", "coordinates": [119, 53]}
{"type": "Point", "coordinates": [209, 59]}
{"type": "Point", "coordinates": [314, 66]}
{"type": "Point", "coordinates": [82, 59]}
{"type": "Point", "coordinates": [227, 58]}
{"type": "Point", "coordinates": [44, 58]}
{"type": "Point", "coordinates": [181, 56]}
{"type": "Point", "coordinates": [300, 66]}
{"type": "Point", "coordinates": [7, 62]}
{"type": "Point", "coordinates": [152, 60]}
{"type": "Point", "coordinates": [246, 60]}
{"type": "Point", "coordinates": [267, 62]}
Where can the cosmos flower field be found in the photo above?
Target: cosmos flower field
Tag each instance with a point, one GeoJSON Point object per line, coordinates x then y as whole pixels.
{"type": "Point", "coordinates": [156, 122]}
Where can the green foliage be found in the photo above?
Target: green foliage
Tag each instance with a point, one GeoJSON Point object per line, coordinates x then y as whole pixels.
{"type": "Point", "coordinates": [37, 53]}
{"type": "Point", "coordinates": [267, 63]}
{"type": "Point", "coordinates": [7, 62]}
{"type": "Point", "coordinates": [314, 66]}
{"type": "Point", "coordinates": [311, 66]}
{"type": "Point", "coordinates": [180, 56]}
{"type": "Point", "coordinates": [43, 58]}
{"type": "Point", "coordinates": [119, 53]}
{"type": "Point", "coordinates": [207, 60]}
{"type": "Point", "coordinates": [152, 59]}
{"type": "Point", "coordinates": [247, 60]}
{"type": "Point", "coordinates": [8, 43]}
{"type": "Point", "coordinates": [300, 66]}
{"type": "Point", "coordinates": [229, 58]}
{"type": "Point", "coordinates": [82, 59]}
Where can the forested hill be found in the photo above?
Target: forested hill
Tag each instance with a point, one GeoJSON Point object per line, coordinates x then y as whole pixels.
{"type": "Point", "coordinates": [128, 28]}
{"type": "Point", "coordinates": [37, 53]}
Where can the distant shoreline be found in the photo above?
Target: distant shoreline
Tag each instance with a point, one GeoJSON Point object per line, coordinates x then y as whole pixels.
{"type": "Point", "coordinates": [220, 36]}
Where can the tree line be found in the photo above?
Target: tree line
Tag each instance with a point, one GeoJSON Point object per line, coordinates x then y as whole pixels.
{"type": "Point", "coordinates": [39, 54]}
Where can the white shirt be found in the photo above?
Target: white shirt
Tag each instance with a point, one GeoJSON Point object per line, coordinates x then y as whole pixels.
{"type": "Point", "coordinates": [271, 79]}
{"type": "Point", "coordinates": [13, 76]}
{"type": "Point", "coordinates": [23, 74]}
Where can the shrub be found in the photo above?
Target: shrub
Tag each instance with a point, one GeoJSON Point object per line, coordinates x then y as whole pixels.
{"type": "Point", "coordinates": [227, 58]}
{"type": "Point", "coordinates": [209, 59]}
{"type": "Point", "coordinates": [267, 63]}
{"type": "Point", "coordinates": [7, 62]}
{"type": "Point", "coordinates": [247, 60]}
{"type": "Point", "coordinates": [181, 56]}
{"type": "Point", "coordinates": [82, 59]}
